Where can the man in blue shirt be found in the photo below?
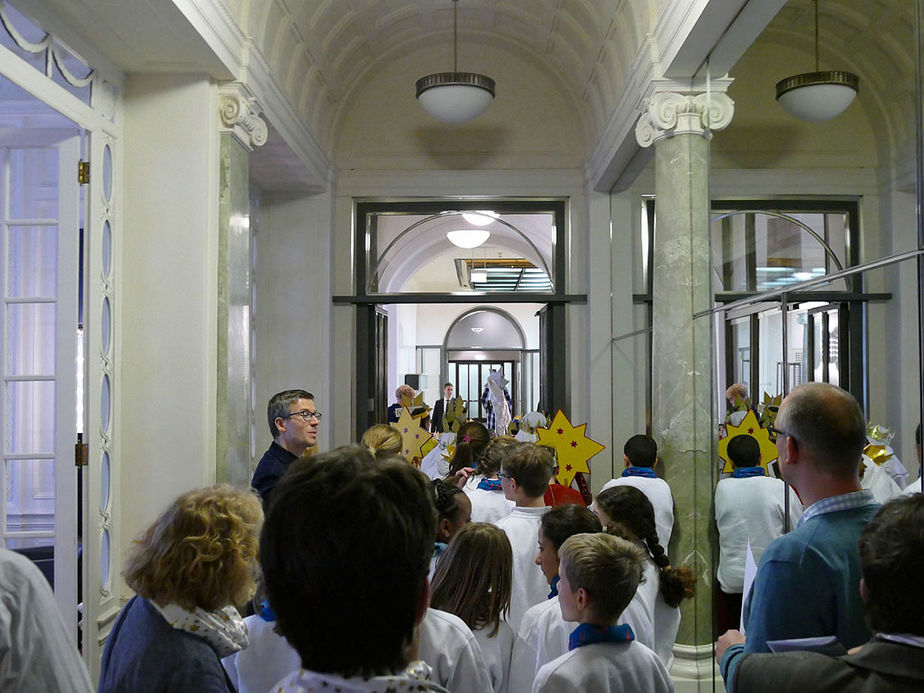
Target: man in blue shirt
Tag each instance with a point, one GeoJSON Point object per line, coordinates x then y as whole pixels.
{"type": "Point", "coordinates": [293, 422]}
{"type": "Point", "coordinates": [807, 582]}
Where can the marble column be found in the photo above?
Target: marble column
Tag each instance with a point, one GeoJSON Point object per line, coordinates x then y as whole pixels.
{"type": "Point", "coordinates": [242, 129]}
{"type": "Point", "coordinates": [679, 125]}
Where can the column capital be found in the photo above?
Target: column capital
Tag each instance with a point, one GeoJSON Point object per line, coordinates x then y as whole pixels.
{"type": "Point", "coordinates": [240, 114]}
{"type": "Point", "coordinates": [670, 113]}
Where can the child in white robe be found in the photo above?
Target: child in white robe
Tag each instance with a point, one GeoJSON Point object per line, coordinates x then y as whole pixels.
{"type": "Point", "coordinates": [453, 653]}
{"type": "Point", "coordinates": [484, 488]}
{"type": "Point", "coordinates": [543, 634]}
{"type": "Point", "coordinates": [599, 576]}
{"type": "Point", "coordinates": [472, 581]}
{"type": "Point", "coordinates": [525, 473]}
{"type": "Point", "coordinates": [627, 512]}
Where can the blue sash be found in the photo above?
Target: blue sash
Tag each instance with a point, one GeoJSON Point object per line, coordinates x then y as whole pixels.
{"type": "Point", "coordinates": [586, 634]}
{"type": "Point", "coordinates": [646, 472]}
{"type": "Point", "coordinates": [744, 472]}
{"type": "Point", "coordinates": [490, 484]}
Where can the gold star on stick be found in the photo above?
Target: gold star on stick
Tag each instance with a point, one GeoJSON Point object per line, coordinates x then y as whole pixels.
{"type": "Point", "coordinates": [571, 443]}
{"type": "Point", "coordinates": [751, 427]}
{"type": "Point", "coordinates": [413, 437]}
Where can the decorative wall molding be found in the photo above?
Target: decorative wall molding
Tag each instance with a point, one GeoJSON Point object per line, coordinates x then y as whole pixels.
{"type": "Point", "coordinates": [240, 115]}
{"type": "Point", "coordinates": [670, 113]}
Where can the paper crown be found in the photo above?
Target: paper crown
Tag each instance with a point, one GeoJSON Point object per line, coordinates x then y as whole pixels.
{"type": "Point", "coordinates": [749, 426]}
{"type": "Point", "coordinates": [572, 446]}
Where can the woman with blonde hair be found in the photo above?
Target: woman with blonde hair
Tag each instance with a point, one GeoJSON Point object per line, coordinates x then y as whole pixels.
{"type": "Point", "coordinates": [382, 440]}
{"type": "Point", "coordinates": [188, 569]}
{"type": "Point", "coordinates": [473, 581]}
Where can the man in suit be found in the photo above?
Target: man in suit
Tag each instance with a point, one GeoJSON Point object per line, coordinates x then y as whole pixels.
{"type": "Point", "coordinates": [892, 564]}
{"type": "Point", "coordinates": [440, 408]}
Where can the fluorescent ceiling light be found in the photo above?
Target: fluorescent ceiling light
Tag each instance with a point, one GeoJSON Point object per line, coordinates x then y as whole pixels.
{"type": "Point", "coordinates": [479, 276]}
{"type": "Point", "coordinates": [468, 238]}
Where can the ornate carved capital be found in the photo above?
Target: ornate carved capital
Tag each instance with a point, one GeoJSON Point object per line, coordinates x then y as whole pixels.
{"type": "Point", "coordinates": [240, 114]}
{"type": "Point", "coordinates": [670, 113]}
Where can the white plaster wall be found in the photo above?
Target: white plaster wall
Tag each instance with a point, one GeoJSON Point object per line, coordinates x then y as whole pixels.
{"type": "Point", "coordinates": [433, 321]}
{"type": "Point", "coordinates": [293, 313]}
{"type": "Point", "coordinates": [168, 293]}
{"type": "Point", "coordinates": [402, 345]}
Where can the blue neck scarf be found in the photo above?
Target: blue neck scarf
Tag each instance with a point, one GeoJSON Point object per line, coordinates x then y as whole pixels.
{"type": "Point", "coordinates": [744, 472]}
{"type": "Point", "coordinates": [438, 548]}
{"type": "Point", "coordinates": [587, 634]}
{"type": "Point", "coordinates": [646, 472]}
{"type": "Point", "coordinates": [490, 484]}
{"type": "Point", "coordinates": [554, 586]}
{"type": "Point", "coordinates": [266, 611]}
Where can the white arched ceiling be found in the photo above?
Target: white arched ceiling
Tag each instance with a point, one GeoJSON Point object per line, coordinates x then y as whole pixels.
{"type": "Point", "coordinates": [326, 53]}
{"type": "Point", "coordinates": [427, 242]}
{"type": "Point", "coordinates": [874, 39]}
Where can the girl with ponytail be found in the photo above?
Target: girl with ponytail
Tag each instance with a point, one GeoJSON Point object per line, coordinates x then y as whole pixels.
{"type": "Point", "coordinates": [627, 512]}
{"type": "Point", "coordinates": [471, 440]}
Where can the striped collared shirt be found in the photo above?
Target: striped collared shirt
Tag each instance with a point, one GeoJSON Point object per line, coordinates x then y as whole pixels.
{"type": "Point", "coordinates": [833, 504]}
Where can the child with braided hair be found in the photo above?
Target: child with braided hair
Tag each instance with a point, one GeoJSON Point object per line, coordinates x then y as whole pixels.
{"type": "Point", "coordinates": [626, 511]}
{"type": "Point", "coordinates": [471, 440]}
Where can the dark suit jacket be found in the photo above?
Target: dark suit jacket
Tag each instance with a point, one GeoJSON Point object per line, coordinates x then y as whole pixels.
{"type": "Point", "coordinates": [880, 667]}
{"type": "Point", "coordinates": [436, 419]}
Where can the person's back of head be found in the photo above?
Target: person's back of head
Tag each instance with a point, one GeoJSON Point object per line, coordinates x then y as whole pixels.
{"type": "Point", "coordinates": [564, 521]}
{"type": "Point", "coordinates": [345, 524]}
{"type": "Point", "coordinates": [626, 511]}
{"type": "Point", "coordinates": [471, 440]}
{"type": "Point", "coordinates": [473, 577]}
{"type": "Point", "coordinates": [279, 404]}
{"type": "Point", "coordinates": [892, 563]}
{"type": "Point", "coordinates": [608, 568]}
{"type": "Point", "coordinates": [383, 440]}
{"type": "Point", "coordinates": [744, 451]}
{"type": "Point", "coordinates": [641, 451]}
{"type": "Point", "coordinates": [530, 466]}
{"type": "Point", "coordinates": [453, 509]}
{"type": "Point", "coordinates": [828, 423]}
{"type": "Point", "coordinates": [490, 463]}
{"type": "Point", "coordinates": [404, 391]}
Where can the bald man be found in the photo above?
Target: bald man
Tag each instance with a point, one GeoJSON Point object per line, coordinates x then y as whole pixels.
{"type": "Point", "coordinates": [807, 582]}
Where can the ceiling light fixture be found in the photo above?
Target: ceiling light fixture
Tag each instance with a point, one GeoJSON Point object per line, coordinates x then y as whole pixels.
{"type": "Point", "coordinates": [455, 97]}
{"type": "Point", "coordinates": [481, 217]}
{"type": "Point", "coordinates": [468, 238]}
{"type": "Point", "coordinates": [817, 96]}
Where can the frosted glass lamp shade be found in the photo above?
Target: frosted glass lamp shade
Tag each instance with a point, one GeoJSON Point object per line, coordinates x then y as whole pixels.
{"type": "Point", "coordinates": [468, 238]}
{"type": "Point", "coordinates": [817, 96]}
{"type": "Point", "coordinates": [482, 217]}
{"type": "Point", "coordinates": [455, 97]}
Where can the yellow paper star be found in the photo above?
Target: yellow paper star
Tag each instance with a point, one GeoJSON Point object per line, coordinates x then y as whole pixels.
{"type": "Point", "coordinates": [428, 446]}
{"type": "Point", "coordinates": [413, 437]}
{"type": "Point", "coordinates": [751, 427]}
{"type": "Point", "coordinates": [574, 448]}
{"type": "Point", "coordinates": [877, 453]}
{"type": "Point", "coordinates": [412, 402]}
{"type": "Point", "coordinates": [449, 451]}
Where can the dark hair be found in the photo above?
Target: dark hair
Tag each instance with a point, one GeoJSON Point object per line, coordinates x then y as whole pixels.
{"type": "Point", "coordinates": [631, 508]}
{"type": "Point", "coordinates": [345, 521]}
{"type": "Point", "coordinates": [828, 421]}
{"type": "Point", "coordinates": [917, 434]}
{"type": "Point", "coordinates": [445, 385]}
{"type": "Point", "coordinates": [641, 450]}
{"type": "Point", "coordinates": [892, 562]}
{"type": "Point", "coordinates": [474, 576]}
{"type": "Point", "coordinates": [493, 455]}
{"type": "Point", "coordinates": [531, 466]}
{"type": "Point", "coordinates": [744, 451]}
{"type": "Point", "coordinates": [446, 498]}
{"type": "Point", "coordinates": [471, 440]}
{"type": "Point", "coordinates": [563, 521]}
{"type": "Point", "coordinates": [279, 406]}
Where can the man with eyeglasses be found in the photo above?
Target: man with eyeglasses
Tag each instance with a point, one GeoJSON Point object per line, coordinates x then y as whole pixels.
{"type": "Point", "coordinates": [807, 582]}
{"type": "Point", "coordinates": [293, 422]}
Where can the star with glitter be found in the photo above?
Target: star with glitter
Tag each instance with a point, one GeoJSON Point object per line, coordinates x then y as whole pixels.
{"type": "Point", "coordinates": [749, 426]}
{"type": "Point", "coordinates": [413, 437]}
{"type": "Point", "coordinates": [571, 443]}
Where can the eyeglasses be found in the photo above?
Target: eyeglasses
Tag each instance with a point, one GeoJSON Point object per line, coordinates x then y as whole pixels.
{"type": "Point", "coordinates": [306, 415]}
{"type": "Point", "coordinates": [777, 432]}
{"type": "Point", "coordinates": [504, 475]}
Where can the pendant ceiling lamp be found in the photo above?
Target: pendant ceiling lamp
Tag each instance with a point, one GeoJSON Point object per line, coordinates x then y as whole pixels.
{"type": "Point", "coordinates": [455, 97]}
{"type": "Point", "coordinates": [817, 96]}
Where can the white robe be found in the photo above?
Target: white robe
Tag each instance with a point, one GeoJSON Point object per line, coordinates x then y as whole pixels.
{"type": "Point", "coordinates": [659, 493]}
{"type": "Point", "coordinates": [497, 652]}
{"type": "Point", "coordinates": [544, 636]}
{"type": "Point", "coordinates": [268, 658]}
{"type": "Point", "coordinates": [487, 506]}
{"type": "Point", "coordinates": [605, 668]}
{"type": "Point", "coordinates": [665, 619]}
{"type": "Point", "coordinates": [37, 653]}
{"type": "Point", "coordinates": [877, 481]}
{"type": "Point", "coordinates": [452, 651]}
{"type": "Point", "coordinates": [750, 508]}
{"type": "Point", "coordinates": [304, 681]}
{"type": "Point", "coordinates": [529, 584]}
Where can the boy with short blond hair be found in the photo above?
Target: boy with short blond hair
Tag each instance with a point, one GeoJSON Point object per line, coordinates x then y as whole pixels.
{"type": "Point", "coordinates": [525, 473]}
{"type": "Point", "coordinates": [599, 575]}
